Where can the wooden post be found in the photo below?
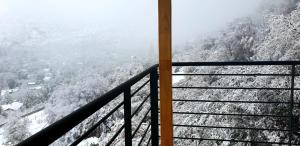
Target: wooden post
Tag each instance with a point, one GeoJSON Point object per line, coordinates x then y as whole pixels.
{"type": "Point", "coordinates": [165, 71]}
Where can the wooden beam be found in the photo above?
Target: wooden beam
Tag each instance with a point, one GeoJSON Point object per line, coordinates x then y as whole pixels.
{"type": "Point", "coordinates": [165, 69]}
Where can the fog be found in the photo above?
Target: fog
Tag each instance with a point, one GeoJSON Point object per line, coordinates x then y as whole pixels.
{"type": "Point", "coordinates": [195, 18]}
{"type": "Point", "coordinates": [127, 27]}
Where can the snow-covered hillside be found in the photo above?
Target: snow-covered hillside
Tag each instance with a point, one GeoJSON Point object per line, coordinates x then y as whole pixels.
{"type": "Point", "coordinates": [63, 82]}
{"type": "Point", "coordinates": [272, 34]}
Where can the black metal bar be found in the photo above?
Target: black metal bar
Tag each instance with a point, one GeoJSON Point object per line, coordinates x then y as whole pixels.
{"type": "Point", "coordinates": [144, 135]}
{"type": "Point", "coordinates": [231, 140]}
{"type": "Point", "coordinates": [115, 136]}
{"type": "Point", "coordinates": [235, 88]}
{"type": "Point", "coordinates": [143, 119]}
{"type": "Point", "coordinates": [140, 106]}
{"type": "Point", "coordinates": [154, 108]}
{"type": "Point", "coordinates": [230, 101]}
{"type": "Point", "coordinates": [278, 75]}
{"type": "Point", "coordinates": [291, 123]}
{"type": "Point", "coordinates": [227, 127]}
{"type": "Point", "coordinates": [77, 141]}
{"type": "Point", "coordinates": [61, 127]}
{"type": "Point", "coordinates": [141, 87]}
{"type": "Point", "coordinates": [127, 117]}
{"type": "Point", "coordinates": [220, 114]}
{"type": "Point", "coordinates": [236, 63]}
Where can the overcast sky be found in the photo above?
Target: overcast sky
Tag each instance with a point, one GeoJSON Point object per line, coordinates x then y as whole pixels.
{"type": "Point", "coordinates": [132, 22]}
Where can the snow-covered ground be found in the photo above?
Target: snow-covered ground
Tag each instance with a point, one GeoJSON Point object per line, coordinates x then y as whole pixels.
{"type": "Point", "coordinates": [176, 79]}
{"type": "Point", "coordinates": [38, 121]}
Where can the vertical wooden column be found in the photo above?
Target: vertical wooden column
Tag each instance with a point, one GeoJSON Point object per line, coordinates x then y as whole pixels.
{"type": "Point", "coordinates": [165, 71]}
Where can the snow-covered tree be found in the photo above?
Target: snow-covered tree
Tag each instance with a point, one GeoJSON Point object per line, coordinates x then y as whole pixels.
{"type": "Point", "coordinates": [271, 35]}
{"type": "Point", "coordinates": [17, 131]}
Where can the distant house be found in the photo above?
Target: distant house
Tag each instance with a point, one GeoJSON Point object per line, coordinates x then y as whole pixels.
{"type": "Point", "coordinates": [31, 83]}
{"type": "Point", "coordinates": [12, 107]}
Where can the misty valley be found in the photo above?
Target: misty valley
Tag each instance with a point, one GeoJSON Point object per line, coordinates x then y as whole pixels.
{"type": "Point", "coordinates": [46, 75]}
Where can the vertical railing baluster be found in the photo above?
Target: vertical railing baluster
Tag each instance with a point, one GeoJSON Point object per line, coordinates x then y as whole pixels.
{"type": "Point", "coordinates": [154, 107]}
{"type": "Point", "coordinates": [291, 124]}
{"type": "Point", "coordinates": [127, 117]}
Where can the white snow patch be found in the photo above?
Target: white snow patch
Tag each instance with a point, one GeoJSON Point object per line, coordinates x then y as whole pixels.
{"type": "Point", "coordinates": [8, 91]}
{"type": "Point", "coordinates": [2, 140]}
{"type": "Point", "coordinates": [3, 92]}
{"type": "Point", "coordinates": [89, 141]}
{"type": "Point", "coordinates": [46, 69]}
{"type": "Point", "coordinates": [175, 78]}
{"type": "Point", "coordinates": [13, 106]}
{"type": "Point", "coordinates": [38, 121]}
{"type": "Point", "coordinates": [47, 79]}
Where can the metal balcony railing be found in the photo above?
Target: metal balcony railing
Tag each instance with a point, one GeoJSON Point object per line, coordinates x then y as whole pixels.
{"type": "Point", "coordinates": [61, 127]}
{"type": "Point", "coordinates": [151, 132]}
{"type": "Point", "coordinates": [289, 118]}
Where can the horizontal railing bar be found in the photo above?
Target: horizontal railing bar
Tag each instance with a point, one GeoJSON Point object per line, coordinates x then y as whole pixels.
{"type": "Point", "coordinates": [61, 127]}
{"type": "Point", "coordinates": [279, 75]}
{"type": "Point", "coordinates": [231, 140]}
{"type": "Point", "coordinates": [233, 63]}
{"type": "Point", "coordinates": [220, 114]}
{"type": "Point", "coordinates": [115, 136]}
{"type": "Point", "coordinates": [235, 88]}
{"type": "Point", "coordinates": [143, 119]}
{"type": "Point", "coordinates": [221, 127]}
{"type": "Point", "coordinates": [144, 135]}
{"type": "Point", "coordinates": [140, 106]}
{"type": "Point", "coordinates": [231, 101]}
{"type": "Point", "coordinates": [141, 87]}
{"type": "Point", "coordinates": [96, 125]}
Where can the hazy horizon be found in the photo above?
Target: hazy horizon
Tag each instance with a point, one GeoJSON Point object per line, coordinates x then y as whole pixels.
{"type": "Point", "coordinates": [126, 25]}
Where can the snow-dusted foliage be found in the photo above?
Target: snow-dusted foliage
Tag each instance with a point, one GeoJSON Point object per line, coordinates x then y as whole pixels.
{"type": "Point", "coordinates": [51, 85]}
{"type": "Point", "coordinates": [270, 35]}
{"type": "Point", "coordinates": [52, 81]}
{"type": "Point", "coordinates": [233, 108]}
{"type": "Point", "coordinates": [16, 132]}
{"type": "Point", "coordinates": [282, 40]}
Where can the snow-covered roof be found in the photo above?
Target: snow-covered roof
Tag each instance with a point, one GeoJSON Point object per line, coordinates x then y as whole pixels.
{"type": "Point", "coordinates": [12, 106]}
{"type": "Point", "coordinates": [36, 88]}
{"type": "Point", "coordinates": [31, 83]}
